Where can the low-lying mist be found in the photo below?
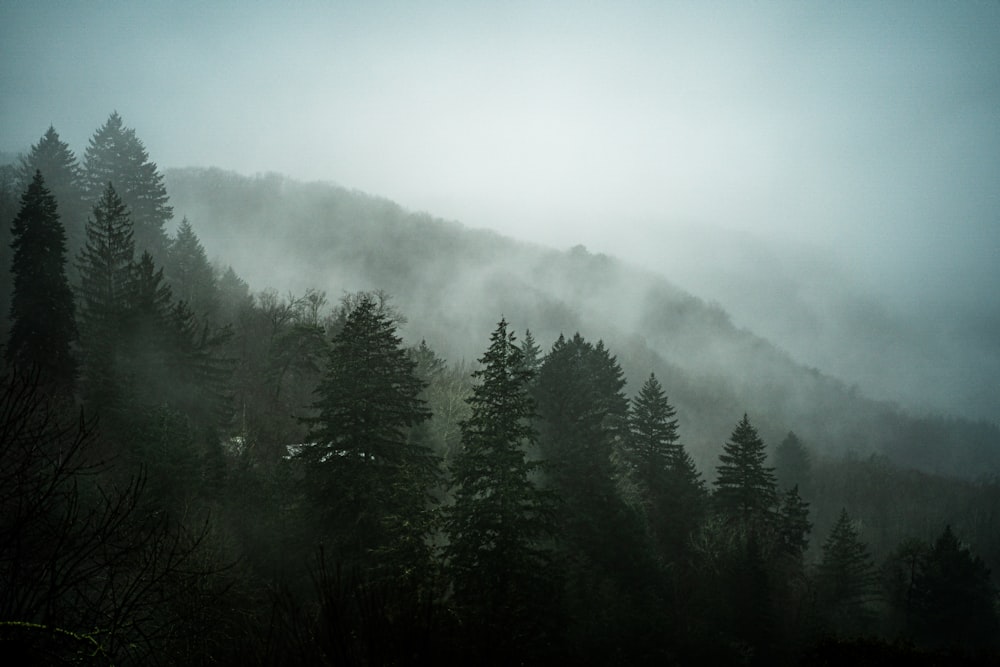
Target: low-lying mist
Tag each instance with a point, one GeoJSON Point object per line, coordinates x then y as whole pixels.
{"type": "Point", "coordinates": [453, 283]}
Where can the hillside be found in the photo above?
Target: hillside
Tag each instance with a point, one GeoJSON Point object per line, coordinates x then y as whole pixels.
{"type": "Point", "coordinates": [453, 283]}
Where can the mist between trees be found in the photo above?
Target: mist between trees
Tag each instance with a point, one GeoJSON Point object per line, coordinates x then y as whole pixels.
{"type": "Point", "coordinates": [192, 472]}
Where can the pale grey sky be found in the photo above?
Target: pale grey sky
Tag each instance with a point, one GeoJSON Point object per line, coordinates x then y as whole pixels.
{"type": "Point", "coordinates": [775, 156]}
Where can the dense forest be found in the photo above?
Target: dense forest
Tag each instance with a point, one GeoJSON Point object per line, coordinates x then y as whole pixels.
{"type": "Point", "coordinates": [474, 452]}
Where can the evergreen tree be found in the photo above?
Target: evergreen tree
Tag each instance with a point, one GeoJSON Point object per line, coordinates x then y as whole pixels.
{"type": "Point", "coordinates": [234, 296]}
{"type": "Point", "coordinates": [63, 178]}
{"type": "Point", "coordinates": [793, 464]}
{"type": "Point", "coordinates": [584, 412]}
{"type": "Point", "coordinates": [106, 272]}
{"type": "Point", "coordinates": [190, 274]}
{"type": "Point", "coordinates": [531, 353]}
{"type": "Point", "coordinates": [745, 488]}
{"type": "Point", "coordinates": [43, 324]}
{"type": "Point", "coordinates": [363, 474]}
{"type": "Point", "coordinates": [845, 580]}
{"type": "Point", "coordinates": [502, 578]}
{"type": "Point", "coordinates": [116, 155]}
{"type": "Point", "coordinates": [955, 599]}
{"type": "Point", "coordinates": [142, 359]}
{"type": "Point", "coordinates": [669, 484]}
{"type": "Point", "coordinates": [613, 578]}
{"type": "Point", "coordinates": [793, 524]}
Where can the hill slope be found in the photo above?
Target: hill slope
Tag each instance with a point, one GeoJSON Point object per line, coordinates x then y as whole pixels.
{"type": "Point", "coordinates": [454, 283]}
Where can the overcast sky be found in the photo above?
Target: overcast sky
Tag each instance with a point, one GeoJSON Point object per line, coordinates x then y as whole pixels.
{"type": "Point", "coordinates": [856, 143]}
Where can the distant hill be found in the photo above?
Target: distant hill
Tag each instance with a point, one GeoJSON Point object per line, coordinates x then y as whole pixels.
{"type": "Point", "coordinates": [453, 283]}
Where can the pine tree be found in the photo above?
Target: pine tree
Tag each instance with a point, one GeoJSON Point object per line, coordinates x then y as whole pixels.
{"type": "Point", "coordinates": [43, 323]}
{"type": "Point", "coordinates": [955, 599]}
{"type": "Point", "coordinates": [584, 412]}
{"type": "Point", "coordinates": [793, 464]}
{"type": "Point", "coordinates": [663, 471]}
{"type": "Point", "coordinates": [653, 435]}
{"type": "Point", "coordinates": [142, 357]}
{"type": "Point", "coordinates": [745, 489]}
{"type": "Point", "coordinates": [613, 573]}
{"type": "Point", "coordinates": [502, 577]}
{"type": "Point", "coordinates": [531, 353]}
{"type": "Point", "coordinates": [106, 271]}
{"type": "Point", "coordinates": [846, 580]}
{"type": "Point", "coordinates": [116, 155]}
{"type": "Point", "coordinates": [63, 178]}
{"type": "Point", "coordinates": [793, 524]}
{"type": "Point", "coordinates": [190, 274]}
{"type": "Point", "coordinates": [363, 474]}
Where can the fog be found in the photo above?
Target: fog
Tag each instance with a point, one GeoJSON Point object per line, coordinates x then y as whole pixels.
{"type": "Point", "coordinates": [826, 173]}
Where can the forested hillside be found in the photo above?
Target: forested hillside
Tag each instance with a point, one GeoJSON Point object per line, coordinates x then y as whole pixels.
{"type": "Point", "coordinates": [454, 281]}
{"type": "Point", "coordinates": [253, 421]}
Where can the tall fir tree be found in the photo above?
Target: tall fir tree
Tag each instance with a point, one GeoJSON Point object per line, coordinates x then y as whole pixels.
{"type": "Point", "coordinates": [846, 581]}
{"type": "Point", "coordinates": [664, 473]}
{"type": "Point", "coordinates": [745, 489]}
{"type": "Point", "coordinates": [106, 275]}
{"type": "Point", "coordinates": [793, 524]}
{"type": "Point", "coordinates": [583, 411]}
{"type": "Point", "coordinates": [364, 476]}
{"type": "Point", "coordinates": [43, 322]}
{"type": "Point", "coordinates": [504, 582]}
{"type": "Point", "coordinates": [116, 155]}
{"type": "Point", "coordinates": [955, 599]}
{"type": "Point", "coordinates": [63, 177]}
{"type": "Point", "coordinates": [793, 464]}
{"type": "Point", "coordinates": [531, 353]}
{"type": "Point", "coordinates": [190, 274]}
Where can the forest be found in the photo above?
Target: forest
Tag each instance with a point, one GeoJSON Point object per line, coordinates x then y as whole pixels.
{"type": "Point", "coordinates": [323, 430]}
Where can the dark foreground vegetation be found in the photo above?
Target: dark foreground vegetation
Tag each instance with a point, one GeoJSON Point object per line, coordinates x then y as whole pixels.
{"type": "Point", "coordinates": [194, 474]}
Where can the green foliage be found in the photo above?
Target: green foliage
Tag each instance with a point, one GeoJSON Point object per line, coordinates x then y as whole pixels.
{"type": "Point", "coordinates": [116, 155]}
{"type": "Point", "coordinates": [63, 178]}
{"type": "Point", "coordinates": [793, 465]}
{"type": "Point", "coordinates": [105, 266]}
{"type": "Point", "coordinates": [955, 600]}
{"type": "Point", "coordinates": [504, 583]}
{"type": "Point", "coordinates": [846, 581]}
{"type": "Point", "coordinates": [531, 353]}
{"type": "Point", "coordinates": [366, 480]}
{"type": "Point", "coordinates": [793, 524]}
{"type": "Point", "coordinates": [670, 488]}
{"type": "Point", "coordinates": [745, 489]}
{"type": "Point", "coordinates": [191, 277]}
{"type": "Point", "coordinates": [43, 323]}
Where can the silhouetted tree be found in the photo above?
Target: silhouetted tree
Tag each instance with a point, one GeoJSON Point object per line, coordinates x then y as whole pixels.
{"type": "Point", "coordinates": [793, 464]}
{"type": "Point", "coordinates": [531, 353]}
{"type": "Point", "coordinates": [846, 581]}
{"type": "Point", "coordinates": [106, 272]}
{"type": "Point", "coordinates": [613, 581]}
{"type": "Point", "coordinates": [366, 479]}
{"type": "Point", "coordinates": [793, 523]}
{"type": "Point", "coordinates": [745, 489]}
{"type": "Point", "coordinates": [190, 274]}
{"type": "Point", "coordinates": [43, 323]}
{"type": "Point", "coordinates": [504, 583]}
{"type": "Point", "coordinates": [116, 155]}
{"type": "Point", "coordinates": [668, 483]}
{"type": "Point", "coordinates": [956, 601]}
{"type": "Point", "coordinates": [63, 178]}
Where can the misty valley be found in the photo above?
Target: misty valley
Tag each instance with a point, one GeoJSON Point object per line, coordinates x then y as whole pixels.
{"type": "Point", "coordinates": [256, 421]}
